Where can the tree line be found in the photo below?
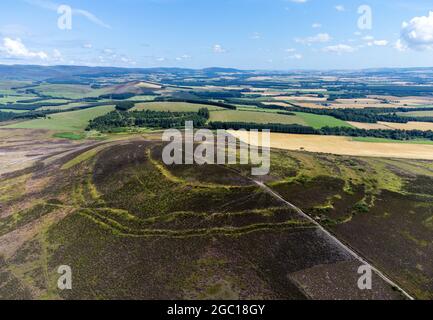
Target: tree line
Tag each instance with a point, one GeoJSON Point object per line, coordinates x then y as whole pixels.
{"type": "Point", "coordinates": [369, 115]}
{"type": "Point", "coordinates": [196, 101]}
{"type": "Point", "coordinates": [329, 131]}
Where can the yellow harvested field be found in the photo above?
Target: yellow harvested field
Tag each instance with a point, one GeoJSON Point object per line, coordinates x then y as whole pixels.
{"type": "Point", "coordinates": [301, 98]}
{"type": "Point", "coordinates": [281, 104]}
{"type": "Point", "coordinates": [259, 78]}
{"type": "Point", "coordinates": [361, 106]}
{"type": "Point", "coordinates": [368, 126]}
{"type": "Point", "coordinates": [265, 93]}
{"type": "Point", "coordinates": [148, 85]}
{"type": "Point", "coordinates": [424, 126]}
{"type": "Point", "coordinates": [408, 101]}
{"type": "Point", "coordinates": [313, 105]}
{"type": "Point", "coordinates": [344, 146]}
{"type": "Point", "coordinates": [358, 101]}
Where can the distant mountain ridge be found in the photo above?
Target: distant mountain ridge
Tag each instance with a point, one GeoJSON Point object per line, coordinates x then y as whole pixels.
{"type": "Point", "coordinates": [62, 72]}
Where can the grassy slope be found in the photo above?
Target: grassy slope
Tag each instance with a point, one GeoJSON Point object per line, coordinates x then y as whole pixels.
{"type": "Point", "coordinates": [67, 121]}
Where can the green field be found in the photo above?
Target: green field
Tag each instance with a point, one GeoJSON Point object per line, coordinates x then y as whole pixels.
{"type": "Point", "coordinates": [67, 121]}
{"type": "Point", "coordinates": [254, 117]}
{"type": "Point", "coordinates": [173, 106]}
{"type": "Point", "coordinates": [384, 140]}
{"type": "Point", "coordinates": [319, 121]}
{"type": "Point", "coordinates": [69, 91]}
{"type": "Point", "coordinates": [65, 106]}
{"type": "Point", "coordinates": [14, 111]}
{"type": "Point", "coordinates": [14, 98]}
{"type": "Point", "coordinates": [141, 98]}
{"type": "Point", "coordinates": [416, 113]}
{"type": "Point", "coordinates": [272, 116]}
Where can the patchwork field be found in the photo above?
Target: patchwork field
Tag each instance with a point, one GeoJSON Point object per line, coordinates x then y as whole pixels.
{"type": "Point", "coordinates": [103, 202]}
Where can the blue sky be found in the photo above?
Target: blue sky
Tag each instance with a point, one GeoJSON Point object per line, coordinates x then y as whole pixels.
{"type": "Point", "coordinates": [248, 34]}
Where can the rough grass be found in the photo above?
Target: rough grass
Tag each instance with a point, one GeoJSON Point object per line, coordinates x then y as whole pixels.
{"type": "Point", "coordinates": [83, 157]}
{"type": "Point", "coordinates": [69, 136]}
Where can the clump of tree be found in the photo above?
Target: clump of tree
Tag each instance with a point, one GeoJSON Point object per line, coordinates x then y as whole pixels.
{"type": "Point", "coordinates": [117, 96]}
{"type": "Point", "coordinates": [10, 116]}
{"type": "Point", "coordinates": [274, 127]}
{"type": "Point", "coordinates": [6, 116]}
{"type": "Point", "coordinates": [148, 119]}
{"type": "Point", "coordinates": [125, 105]}
{"type": "Point", "coordinates": [197, 101]}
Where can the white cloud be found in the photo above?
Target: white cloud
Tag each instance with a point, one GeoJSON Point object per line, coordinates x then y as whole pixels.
{"type": "Point", "coordinates": [340, 8]}
{"type": "Point", "coordinates": [316, 25]}
{"type": "Point", "coordinates": [57, 54]}
{"type": "Point", "coordinates": [256, 36]}
{"type": "Point", "coordinates": [418, 32]}
{"type": "Point", "coordinates": [290, 50]}
{"type": "Point", "coordinates": [87, 46]}
{"type": "Point", "coordinates": [380, 43]}
{"type": "Point", "coordinates": [17, 49]}
{"type": "Point", "coordinates": [321, 37]}
{"type": "Point", "coordinates": [296, 56]}
{"type": "Point", "coordinates": [339, 49]}
{"type": "Point", "coordinates": [299, 1]}
{"type": "Point", "coordinates": [183, 57]}
{"type": "Point", "coordinates": [400, 46]}
{"type": "Point", "coordinates": [217, 48]}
